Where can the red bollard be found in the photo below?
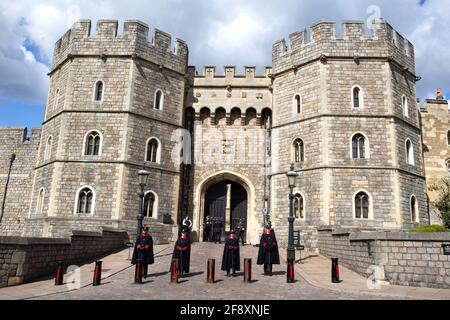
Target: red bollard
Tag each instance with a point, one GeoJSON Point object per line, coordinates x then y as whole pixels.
{"type": "Point", "coordinates": [247, 270]}
{"type": "Point", "coordinates": [138, 272]}
{"type": "Point", "coordinates": [59, 279]}
{"type": "Point", "coordinates": [97, 273]}
{"type": "Point", "coordinates": [290, 271]}
{"type": "Point", "coordinates": [335, 270]}
{"type": "Point", "coordinates": [211, 274]}
{"type": "Point", "coordinates": [175, 275]}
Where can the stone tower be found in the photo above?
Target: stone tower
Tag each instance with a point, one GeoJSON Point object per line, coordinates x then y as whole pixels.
{"type": "Point", "coordinates": [111, 97]}
{"type": "Point", "coordinates": [352, 102]}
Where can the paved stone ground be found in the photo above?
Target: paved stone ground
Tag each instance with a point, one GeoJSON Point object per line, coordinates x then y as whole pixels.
{"type": "Point", "coordinates": [194, 287]}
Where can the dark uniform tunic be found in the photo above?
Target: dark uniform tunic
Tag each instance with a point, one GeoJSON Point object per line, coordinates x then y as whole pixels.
{"type": "Point", "coordinates": [231, 256]}
{"type": "Point", "coordinates": [241, 232]}
{"type": "Point", "coordinates": [268, 252]}
{"type": "Point", "coordinates": [217, 229]}
{"type": "Point", "coordinates": [207, 228]}
{"type": "Point", "coordinates": [182, 251]}
{"type": "Point", "coordinates": [143, 249]}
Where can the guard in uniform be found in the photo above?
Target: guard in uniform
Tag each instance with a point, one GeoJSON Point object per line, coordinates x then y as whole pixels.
{"type": "Point", "coordinates": [182, 251]}
{"type": "Point", "coordinates": [268, 251]}
{"type": "Point", "coordinates": [217, 230]}
{"type": "Point", "coordinates": [231, 256]}
{"type": "Point", "coordinates": [241, 231]}
{"type": "Point", "coordinates": [207, 228]}
{"type": "Point", "coordinates": [143, 249]}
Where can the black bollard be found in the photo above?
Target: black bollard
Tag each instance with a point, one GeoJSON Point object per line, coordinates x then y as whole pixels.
{"type": "Point", "coordinates": [335, 270]}
{"type": "Point", "coordinates": [175, 275]}
{"type": "Point", "coordinates": [247, 270]}
{"type": "Point", "coordinates": [211, 273]}
{"type": "Point", "coordinates": [97, 273]}
{"type": "Point", "coordinates": [59, 279]}
{"type": "Point", "coordinates": [290, 271]}
{"type": "Point", "coordinates": [138, 272]}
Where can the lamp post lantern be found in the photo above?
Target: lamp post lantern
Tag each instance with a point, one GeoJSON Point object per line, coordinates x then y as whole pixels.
{"type": "Point", "coordinates": [12, 158]}
{"type": "Point", "coordinates": [292, 176]}
{"type": "Point", "coordinates": [143, 179]}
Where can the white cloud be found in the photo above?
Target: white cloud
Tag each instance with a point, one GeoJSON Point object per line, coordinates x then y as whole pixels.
{"type": "Point", "coordinates": [221, 32]}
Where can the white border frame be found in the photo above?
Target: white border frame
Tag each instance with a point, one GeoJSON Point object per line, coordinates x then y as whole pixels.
{"type": "Point", "coordinates": [161, 102]}
{"type": "Point", "coordinates": [417, 209]}
{"type": "Point", "coordinates": [158, 153]}
{"type": "Point", "coordinates": [371, 214]}
{"type": "Point", "coordinates": [361, 97]}
{"type": "Point", "coordinates": [95, 91]}
{"type": "Point", "coordinates": [94, 197]}
{"type": "Point", "coordinates": [409, 157]}
{"type": "Point", "coordinates": [366, 146]}
{"type": "Point", "coordinates": [294, 104]}
{"type": "Point", "coordinates": [293, 151]}
{"type": "Point", "coordinates": [156, 204]}
{"type": "Point", "coordinates": [84, 143]}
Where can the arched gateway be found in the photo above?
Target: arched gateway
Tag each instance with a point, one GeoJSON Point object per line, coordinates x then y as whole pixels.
{"type": "Point", "coordinates": [228, 196]}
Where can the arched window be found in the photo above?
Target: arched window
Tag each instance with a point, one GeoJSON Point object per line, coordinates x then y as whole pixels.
{"type": "Point", "coordinates": [48, 148]}
{"type": "Point", "coordinates": [40, 202]}
{"type": "Point", "coordinates": [85, 201]}
{"type": "Point", "coordinates": [298, 148]}
{"type": "Point", "coordinates": [299, 206]}
{"type": "Point", "coordinates": [357, 97]}
{"type": "Point", "coordinates": [205, 116]}
{"type": "Point", "coordinates": [448, 138]}
{"type": "Point", "coordinates": [159, 100]}
{"type": "Point", "coordinates": [92, 144]}
{"type": "Point", "coordinates": [221, 117]}
{"type": "Point", "coordinates": [150, 205]}
{"type": "Point", "coordinates": [358, 146]}
{"type": "Point", "coordinates": [414, 209]}
{"type": "Point", "coordinates": [362, 205]}
{"type": "Point", "coordinates": [152, 152]}
{"type": "Point", "coordinates": [235, 117]}
{"type": "Point", "coordinates": [409, 152]}
{"type": "Point", "coordinates": [250, 117]}
{"type": "Point", "coordinates": [297, 104]}
{"type": "Point", "coordinates": [266, 118]}
{"type": "Point", "coordinates": [405, 106]}
{"type": "Point", "coordinates": [98, 92]}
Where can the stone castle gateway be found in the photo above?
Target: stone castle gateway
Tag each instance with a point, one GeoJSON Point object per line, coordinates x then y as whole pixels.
{"type": "Point", "coordinates": [342, 108]}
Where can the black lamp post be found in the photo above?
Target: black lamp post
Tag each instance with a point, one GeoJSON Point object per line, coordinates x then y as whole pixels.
{"type": "Point", "coordinates": [291, 175]}
{"type": "Point", "coordinates": [12, 158]}
{"type": "Point", "coordinates": [143, 178]}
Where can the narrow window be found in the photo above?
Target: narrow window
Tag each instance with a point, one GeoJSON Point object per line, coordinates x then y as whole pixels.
{"type": "Point", "coordinates": [299, 150]}
{"type": "Point", "coordinates": [414, 209]}
{"type": "Point", "coordinates": [356, 97]}
{"type": "Point", "coordinates": [40, 202]}
{"type": "Point", "coordinates": [55, 106]}
{"type": "Point", "coordinates": [299, 206]}
{"type": "Point", "coordinates": [409, 152]}
{"type": "Point", "coordinates": [405, 106]}
{"type": "Point", "coordinates": [158, 100]}
{"type": "Point", "coordinates": [448, 138]}
{"type": "Point", "coordinates": [85, 201]}
{"type": "Point", "coordinates": [93, 142]}
{"type": "Point", "coordinates": [359, 146]}
{"type": "Point", "coordinates": [48, 149]}
{"type": "Point", "coordinates": [362, 206]}
{"type": "Point", "coordinates": [152, 151]}
{"type": "Point", "coordinates": [149, 205]}
{"type": "Point", "coordinates": [297, 107]}
{"type": "Point", "coordinates": [99, 91]}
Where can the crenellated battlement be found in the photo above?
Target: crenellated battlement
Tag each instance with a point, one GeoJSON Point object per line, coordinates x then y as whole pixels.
{"type": "Point", "coordinates": [322, 40]}
{"type": "Point", "coordinates": [134, 41]}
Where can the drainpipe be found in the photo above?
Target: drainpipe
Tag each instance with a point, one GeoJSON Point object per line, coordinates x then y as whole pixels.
{"type": "Point", "coordinates": [11, 160]}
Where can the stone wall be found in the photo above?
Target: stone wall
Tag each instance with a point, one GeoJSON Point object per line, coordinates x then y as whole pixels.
{"type": "Point", "coordinates": [25, 259]}
{"type": "Point", "coordinates": [403, 258]}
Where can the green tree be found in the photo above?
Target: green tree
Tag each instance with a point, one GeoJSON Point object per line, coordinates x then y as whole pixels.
{"type": "Point", "coordinates": [442, 186]}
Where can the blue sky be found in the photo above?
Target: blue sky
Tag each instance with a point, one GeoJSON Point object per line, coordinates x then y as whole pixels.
{"type": "Point", "coordinates": [218, 32]}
